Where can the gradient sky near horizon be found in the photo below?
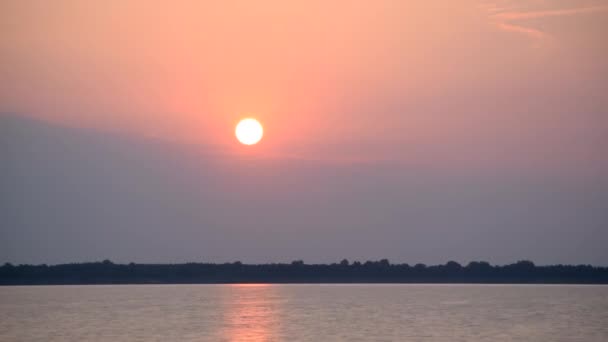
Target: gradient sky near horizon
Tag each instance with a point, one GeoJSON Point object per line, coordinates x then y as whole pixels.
{"type": "Point", "coordinates": [422, 130]}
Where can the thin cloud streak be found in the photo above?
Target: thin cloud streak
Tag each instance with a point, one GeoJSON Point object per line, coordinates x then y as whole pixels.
{"type": "Point", "coordinates": [504, 20]}
{"type": "Point", "coordinates": [522, 29]}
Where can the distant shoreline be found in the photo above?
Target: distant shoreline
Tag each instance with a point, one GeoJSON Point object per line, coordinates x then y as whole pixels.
{"type": "Point", "coordinates": [304, 283]}
{"type": "Point", "coordinates": [297, 272]}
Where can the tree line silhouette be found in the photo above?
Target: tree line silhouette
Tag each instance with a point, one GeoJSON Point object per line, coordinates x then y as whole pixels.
{"type": "Point", "coordinates": [382, 271]}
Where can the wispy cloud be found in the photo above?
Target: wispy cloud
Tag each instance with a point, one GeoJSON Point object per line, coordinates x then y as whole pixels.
{"type": "Point", "coordinates": [521, 29]}
{"type": "Point", "coordinates": [508, 18]}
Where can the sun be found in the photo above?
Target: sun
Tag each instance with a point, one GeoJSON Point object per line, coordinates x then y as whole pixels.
{"type": "Point", "coordinates": [249, 131]}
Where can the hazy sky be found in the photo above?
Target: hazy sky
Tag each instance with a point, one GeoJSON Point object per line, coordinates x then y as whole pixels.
{"type": "Point", "coordinates": [419, 131]}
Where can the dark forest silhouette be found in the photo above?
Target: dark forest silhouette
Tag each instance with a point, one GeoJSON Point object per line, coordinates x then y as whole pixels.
{"type": "Point", "coordinates": [381, 271]}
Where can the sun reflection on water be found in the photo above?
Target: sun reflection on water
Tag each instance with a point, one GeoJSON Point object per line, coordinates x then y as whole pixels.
{"type": "Point", "coordinates": [253, 313]}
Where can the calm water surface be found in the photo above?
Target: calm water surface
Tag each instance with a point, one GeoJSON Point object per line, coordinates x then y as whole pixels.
{"type": "Point", "coordinates": [304, 313]}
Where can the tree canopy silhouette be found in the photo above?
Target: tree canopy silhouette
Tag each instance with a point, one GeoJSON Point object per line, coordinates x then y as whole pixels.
{"type": "Point", "coordinates": [382, 271]}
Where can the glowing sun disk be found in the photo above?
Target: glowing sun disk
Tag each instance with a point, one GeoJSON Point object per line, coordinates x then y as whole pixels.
{"type": "Point", "coordinates": [249, 131]}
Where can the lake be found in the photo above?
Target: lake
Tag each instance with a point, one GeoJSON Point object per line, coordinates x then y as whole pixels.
{"type": "Point", "coordinates": [304, 313]}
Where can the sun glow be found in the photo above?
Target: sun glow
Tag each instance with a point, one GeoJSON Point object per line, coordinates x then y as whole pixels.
{"type": "Point", "coordinates": [249, 131]}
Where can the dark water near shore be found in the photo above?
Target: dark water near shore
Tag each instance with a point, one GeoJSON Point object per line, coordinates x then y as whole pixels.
{"type": "Point", "coordinates": [304, 313]}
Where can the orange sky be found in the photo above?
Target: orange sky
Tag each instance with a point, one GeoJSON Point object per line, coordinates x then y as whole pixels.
{"type": "Point", "coordinates": [383, 77]}
{"type": "Point", "coordinates": [411, 130]}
